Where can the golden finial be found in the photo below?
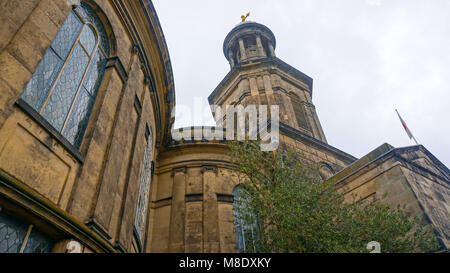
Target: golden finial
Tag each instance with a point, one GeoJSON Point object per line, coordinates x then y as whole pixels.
{"type": "Point", "coordinates": [243, 17]}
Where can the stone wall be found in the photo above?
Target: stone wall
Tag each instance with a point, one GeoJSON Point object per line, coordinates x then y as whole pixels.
{"type": "Point", "coordinates": [410, 177]}
{"type": "Point", "coordinates": [192, 203]}
{"type": "Point", "coordinates": [97, 184]}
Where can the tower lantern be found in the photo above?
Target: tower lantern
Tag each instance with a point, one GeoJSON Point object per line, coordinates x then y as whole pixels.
{"type": "Point", "coordinates": [248, 41]}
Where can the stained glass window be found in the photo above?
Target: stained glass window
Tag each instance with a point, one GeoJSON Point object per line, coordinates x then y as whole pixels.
{"type": "Point", "coordinates": [144, 188]}
{"type": "Point", "coordinates": [38, 242]}
{"type": "Point", "coordinates": [16, 237]}
{"type": "Point", "coordinates": [245, 222]}
{"type": "Point", "coordinates": [64, 86]}
{"type": "Point", "coordinates": [12, 234]}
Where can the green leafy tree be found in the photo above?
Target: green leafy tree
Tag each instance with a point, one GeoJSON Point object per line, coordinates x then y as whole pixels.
{"type": "Point", "coordinates": [295, 211]}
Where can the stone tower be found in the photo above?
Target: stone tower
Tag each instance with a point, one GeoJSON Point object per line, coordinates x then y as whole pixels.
{"type": "Point", "coordinates": [258, 77]}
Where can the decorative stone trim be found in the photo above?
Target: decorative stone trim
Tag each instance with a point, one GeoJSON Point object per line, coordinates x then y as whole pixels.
{"type": "Point", "coordinates": [210, 168]}
{"type": "Point", "coordinates": [193, 197]}
{"type": "Point", "coordinates": [162, 203]}
{"type": "Point", "coordinates": [137, 104]}
{"type": "Point", "coordinates": [117, 64]}
{"type": "Point", "coordinates": [299, 135]}
{"type": "Point", "coordinates": [178, 170]}
{"type": "Point", "coordinates": [119, 247]}
{"type": "Point", "coordinates": [74, 3]}
{"type": "Point", "coordinates": [98, 228]}
{"type": "Point", "coordinates": [227, 198]}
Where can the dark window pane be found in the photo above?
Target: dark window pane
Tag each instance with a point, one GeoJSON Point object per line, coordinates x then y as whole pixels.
{"type": "Point", "coordinates": [62, 97]}
{"type": "Point", "coordinates": [38, 87]}
{"type": "Point", "coordinates": [299, 112]}
{"type": "Point", "coordinates": [144, 189]}
{"type": "Point", "coordinates": [245, 221]}
{"type": "Point", "coordinates": [79, 118]}
{"type": "Point", "coordinates": [238, 221]}
{"type": "Point", "coordinates": [66, 36]}
{"type": "Point", "coordinates": [12, 234]}
{"type": "Point", "coordinates": [38, 242]}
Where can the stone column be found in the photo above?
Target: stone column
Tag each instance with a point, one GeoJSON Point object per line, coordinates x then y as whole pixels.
{"type": "Point", "coordinates": [231, 58]}
{"type": "Point", "coordinates": [272, 50]}
{"type": "Point", "coordinates": [261, 51]}
{"type": "Point", "coordinates": [242, 49]}
{"type": "Point", "coordinates": [177, 215]}
{"type": "Point", "coordinates": [267, 85]}
{"type": "Point", "coordinates": [211, 238]}
{"type": "Point", "coordinates": [253, 87]}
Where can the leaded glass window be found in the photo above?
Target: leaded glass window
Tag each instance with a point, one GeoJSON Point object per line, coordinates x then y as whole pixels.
{"type": "Point", "coordinates": [245, 222]}
{"type": "Point", "coordinates": [144, 188]}
{"type": "Point", "coordinates": [64, 86]}
{"type": "Point", "coordinates": [18, 237]}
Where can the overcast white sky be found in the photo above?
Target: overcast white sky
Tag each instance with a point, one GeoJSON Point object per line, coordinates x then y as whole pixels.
{"type": "Point", "coordinates": [367, 58]}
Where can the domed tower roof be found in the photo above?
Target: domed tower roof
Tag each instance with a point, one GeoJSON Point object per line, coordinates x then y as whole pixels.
{"type": "Point", "coordinates": [248, 41]}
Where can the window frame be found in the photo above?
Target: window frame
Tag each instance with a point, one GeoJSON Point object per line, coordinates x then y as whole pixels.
{"type": "Point", "coordinates": [149, 143]}
{"type": "Point", "coordinates": [300, 112]}
{"type": "Point", "coordinates": [239, 226]}
{"type": "Point", "coordinates": [38, 117]}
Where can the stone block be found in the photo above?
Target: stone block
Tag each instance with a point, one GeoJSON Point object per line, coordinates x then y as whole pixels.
{"type": "Point", "coordinates": [15, 74]}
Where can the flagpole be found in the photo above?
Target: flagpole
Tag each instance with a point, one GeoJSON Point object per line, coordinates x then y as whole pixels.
{"type": "Point", "coordinates": [415, 140]}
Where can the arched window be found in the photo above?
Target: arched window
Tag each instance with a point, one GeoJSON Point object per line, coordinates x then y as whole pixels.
{"type": "Point", "coordinates": [19, 237]}
{"type": "Point", "coordinates": [245, 222]}
{"type": "Point", "coordinates": [325, 171]}
{"type": "Point", "coordinates": [64, 86]}
{"type": "Point", "coordinates": [144, 188]}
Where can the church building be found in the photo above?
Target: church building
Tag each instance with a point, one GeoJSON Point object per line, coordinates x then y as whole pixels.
{"type": "Point", "coordinates": [88, 161]}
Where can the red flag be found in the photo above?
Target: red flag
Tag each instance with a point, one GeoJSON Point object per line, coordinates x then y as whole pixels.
{"type": "Point", "coordinates": [410, 135]}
